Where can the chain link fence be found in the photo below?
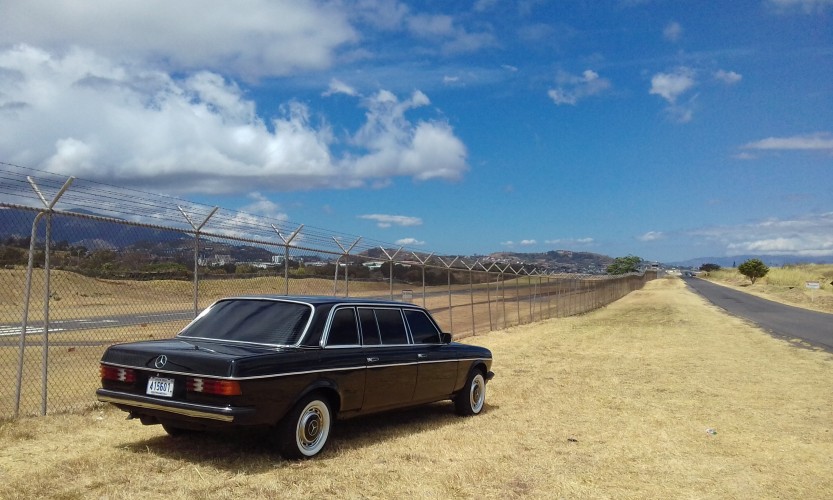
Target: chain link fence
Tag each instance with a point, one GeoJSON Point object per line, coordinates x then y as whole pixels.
{"type": "Point", "coordinates": [84, 265]}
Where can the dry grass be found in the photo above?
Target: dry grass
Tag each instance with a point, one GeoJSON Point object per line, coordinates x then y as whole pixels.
{"type": "Point", "coordinates": [785, 284]}
{"type": "Point", "coordinates": [612, 404]}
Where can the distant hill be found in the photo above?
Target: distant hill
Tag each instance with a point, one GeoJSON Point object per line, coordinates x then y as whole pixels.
{"type": "Point", "coordinates": [81, 231]}
{"type": "Point", "coordinates": [770, 260]}
{"type": "Point", "coordinates": [564, 261]}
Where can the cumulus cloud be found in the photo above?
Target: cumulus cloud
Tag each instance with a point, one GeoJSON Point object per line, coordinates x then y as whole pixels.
{"type": "Point", "coordinates": [810, 235]}
{"type": "Point", "coordinates": [263, 206]}
{"type": "Point", "coordinates": [266, 38]}
{"type": "Point", "coordinates": [652, 236]}
{"type": "Point", "coordinates": [672, 31]}
{"type": "Point", "coordinates": [453, 39]}
{"type": "Point", "coordinates": [82, 114]}
{"type": "Point", "coordinates": [527, 243]}
{"type": "Point", "coordinates": [385, 221]}
{"type": "Point", "coordinates": [339, 87]}
{"type": "Point", "coordinates": [727, 77]}
{"type": "Point", "coordinates": [818, 141]}
{"type": "Point", "coordinates": [425, 150]}
{"type": "Point", "coordinates": [573, 88]}
{"type": "Point", "coordinates": [671, 86]}
{"type": "Point", "coordinates": [407, 242]}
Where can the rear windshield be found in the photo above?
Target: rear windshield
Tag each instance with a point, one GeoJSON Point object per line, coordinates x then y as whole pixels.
{"type": "Point", "coordinates": [257, 321]}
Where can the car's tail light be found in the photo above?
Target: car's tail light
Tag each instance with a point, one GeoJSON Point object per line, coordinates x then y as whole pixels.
{"type": "Point", "coordinates": [213, 386]}
{"type": "Point", "coordinates": [108, 372]}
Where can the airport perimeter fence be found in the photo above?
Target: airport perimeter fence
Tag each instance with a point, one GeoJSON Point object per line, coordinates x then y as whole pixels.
{"type": "Point", "coordinates": [84, 265]}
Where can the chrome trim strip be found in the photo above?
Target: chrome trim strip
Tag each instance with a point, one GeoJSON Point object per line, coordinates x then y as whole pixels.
{"type": "Point", "coordinates": [276, 375]}
{"type": "Point", "coordinates": [180, 411]}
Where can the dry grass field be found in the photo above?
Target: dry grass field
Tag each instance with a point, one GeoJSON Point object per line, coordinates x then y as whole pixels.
{"type": "Point", "coordinates": [785, 284]}
{"type": "Point", "coordinates": [658, 395]}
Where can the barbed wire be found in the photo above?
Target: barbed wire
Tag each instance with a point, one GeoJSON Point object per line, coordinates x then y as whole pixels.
{"type": "Point", "coordinates": [93, 199]}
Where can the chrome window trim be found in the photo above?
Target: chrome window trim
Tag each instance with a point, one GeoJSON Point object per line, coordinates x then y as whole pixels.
{"type": "Point", "coordinates": [288, 374]}
{"type": "Point", "coordinates": [301, 337]}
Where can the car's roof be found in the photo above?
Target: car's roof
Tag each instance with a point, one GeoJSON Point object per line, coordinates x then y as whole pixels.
{"type": "Point", "coordinates": [317, 300]}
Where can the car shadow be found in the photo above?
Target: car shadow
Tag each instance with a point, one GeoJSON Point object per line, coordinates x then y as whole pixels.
{"type": "Point", "coordinates": [249, 450]}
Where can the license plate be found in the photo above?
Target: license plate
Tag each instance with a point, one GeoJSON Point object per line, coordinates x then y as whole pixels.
{"type": "Point", "coordinates": [158, 386]}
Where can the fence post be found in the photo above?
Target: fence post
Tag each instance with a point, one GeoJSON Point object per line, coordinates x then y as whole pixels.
{"type": "Point", "coordinates": [28, 291]}
{"type": "Point", "coordinates": [390, 265]}
{"type": "Point", "coordinates": [488, 291]}
{"type": "Point", "coordinates": [197, 252]}
{"type": "Point", "coordinates": [471, 293]}
{"type": "Point", "coordinates": [346, 264]}
{"type": "Point", "coordinates": [286, 242]}
{"type": "Point", "coordinates": [450, 308]}
{"type": "Point", "coordinates": [423, 263]}
{"type": "Point", "coordinates": [26, 296]}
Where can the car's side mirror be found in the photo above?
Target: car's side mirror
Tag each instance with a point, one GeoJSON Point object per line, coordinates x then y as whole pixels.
{"type": "Point", "coordinates": [445, 338]}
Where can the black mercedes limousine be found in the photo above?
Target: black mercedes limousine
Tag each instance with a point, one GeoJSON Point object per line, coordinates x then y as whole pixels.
{"type": "Point", "coordinates": [293, 365]}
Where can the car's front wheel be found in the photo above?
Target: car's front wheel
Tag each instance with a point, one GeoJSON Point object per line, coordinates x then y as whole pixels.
{"type": "Point", "coordinates": [470, 400]}
{"type": "Point", "coordinates": [304, 431]}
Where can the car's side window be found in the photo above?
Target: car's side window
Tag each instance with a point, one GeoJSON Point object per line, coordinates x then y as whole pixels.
{"type": "Point", "coordinates": [343, 328]}
{"type": "Point", "coordinates": [391, 326]}
{"type": "Point", "coordinates": [423, 330]}
{"type": "Point", "coordinates": [370, 330]}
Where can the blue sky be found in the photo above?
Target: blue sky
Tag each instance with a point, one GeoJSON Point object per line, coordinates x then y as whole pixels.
{"type": "Point", "coordinates": [665, 129]}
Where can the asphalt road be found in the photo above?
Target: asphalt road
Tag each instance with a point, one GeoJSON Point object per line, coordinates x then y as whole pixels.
{"type": "Point", "coordinates": [816, 328]}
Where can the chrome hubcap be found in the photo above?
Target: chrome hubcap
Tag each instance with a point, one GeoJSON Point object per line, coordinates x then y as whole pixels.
{"type": "Point", "coordinates": [313, 427]}
{"type": "Point", "coordinates": [477, 393]}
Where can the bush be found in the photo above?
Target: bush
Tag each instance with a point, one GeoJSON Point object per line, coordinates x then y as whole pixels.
{"type": "Point", "coordinates": [753, 269]}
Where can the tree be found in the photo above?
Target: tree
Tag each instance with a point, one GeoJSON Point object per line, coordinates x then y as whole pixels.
{"type": "Point", "coordinates": [753, 269]}
{"type": "Point", "coordinates": [709, 267]}
{"type": "Point", "coordinates": [624, 265]}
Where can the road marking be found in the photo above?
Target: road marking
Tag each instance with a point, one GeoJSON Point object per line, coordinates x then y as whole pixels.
{"type": "Point", "coordinates": [14, 331]}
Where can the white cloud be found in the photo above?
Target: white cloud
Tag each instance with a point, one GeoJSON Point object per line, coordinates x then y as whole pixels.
{"type": "Point", "coordinates": [810, 235]}
{"type": "Point", "coordinates": [652, 236]}
{"type": "Point", "coordinates": [817, 141]}
{"type": "Point", "coordinates": [81, 114]}
{"type": "Point", "coordinates": [727, 77]}
{"type": "Point", "coordinates": [671, 86]}
{"type": "Point", "coordinates": [573, 88]}
{"type": "Point", "coordinates": [266, 38]}
{"type": "Point", "coordinates": [406, 242]}
{"type": "Point", "coordinates": [452, 38]}
{"type": "Point", "coordinates": [528, 243]}
{"type": "Point", "coordinates": [672, 31]}
{"type": "Point", "coordinates": [425, 150]}
{"type": "Point", "coordinates": [264, 207]}
{"type": "Point", "coordinates": [385, 221]}
{"type": "Point", "coordinates": [339, 87]}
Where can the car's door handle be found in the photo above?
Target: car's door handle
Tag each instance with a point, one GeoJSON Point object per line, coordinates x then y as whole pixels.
{"type": "Point", "coordinates": [372, 360]}
{"type": "Point", "coordinates": [422, 355]}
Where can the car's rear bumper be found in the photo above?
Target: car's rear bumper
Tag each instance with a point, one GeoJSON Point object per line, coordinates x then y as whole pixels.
{"type": "Point", "coordinates": [149, 405]}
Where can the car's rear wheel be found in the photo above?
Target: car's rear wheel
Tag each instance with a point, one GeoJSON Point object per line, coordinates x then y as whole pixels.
{"type": "Point", "coordinates": [304, 431]}
{"type": "Point", "coordinates": [471, 399]}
